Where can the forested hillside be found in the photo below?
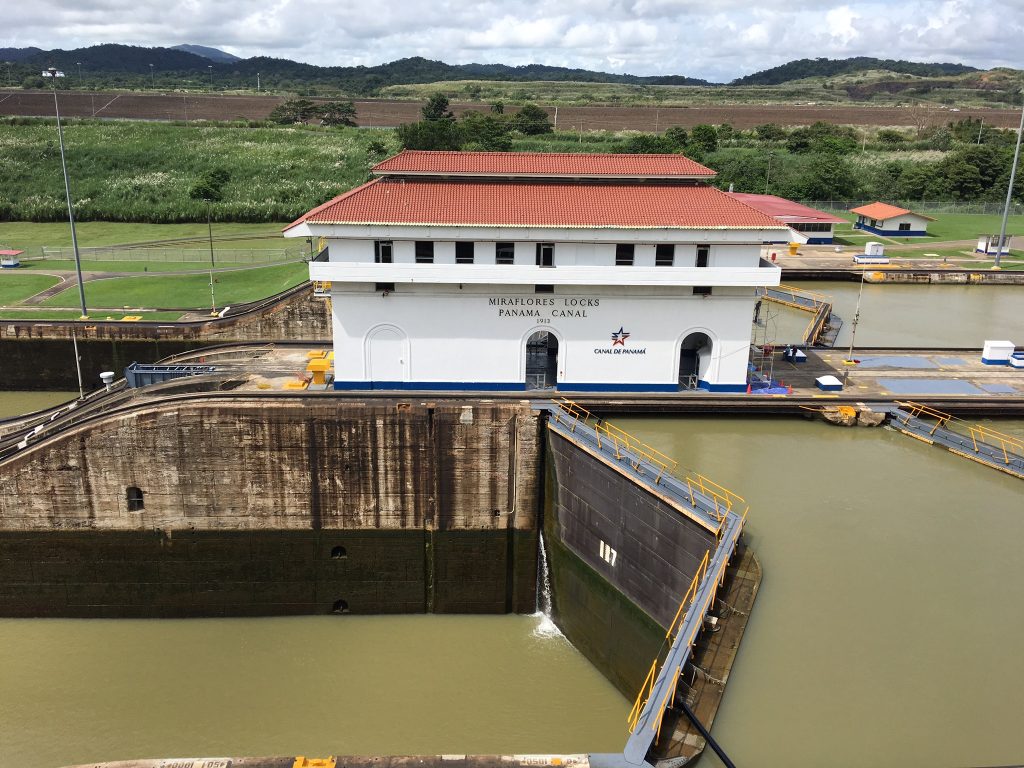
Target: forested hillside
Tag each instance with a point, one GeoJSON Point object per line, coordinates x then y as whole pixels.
{"type": "Point", "coordinates": [803, 68]}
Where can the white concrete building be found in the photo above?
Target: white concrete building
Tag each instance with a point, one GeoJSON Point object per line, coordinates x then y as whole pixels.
{"type": "Point", "coordinates": [512, 271]}
{"type": "Point", "coordinates": [890, 220]}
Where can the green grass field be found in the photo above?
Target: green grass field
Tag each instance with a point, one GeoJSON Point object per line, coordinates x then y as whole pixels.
{"type": "Point", "coordinates": [16, 287]}
{"type": "Point", "coordinates": [73, 314]}
{"type": "Point", "coordinates": [186, 291]}
{"type": "Point", "coordinates": [28, 234]}
{"type": "Point", "coordinates": [47, 265]}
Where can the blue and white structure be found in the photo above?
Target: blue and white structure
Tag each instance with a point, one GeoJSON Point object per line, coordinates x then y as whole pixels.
{"type": "Point", "coordinates": [890, 220]}
{"type": "Point", "coordinates": [515, 271]}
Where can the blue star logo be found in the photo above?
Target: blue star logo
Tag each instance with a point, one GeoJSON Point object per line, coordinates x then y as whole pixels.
{"type": "Point", "coordinates": [619, 337]}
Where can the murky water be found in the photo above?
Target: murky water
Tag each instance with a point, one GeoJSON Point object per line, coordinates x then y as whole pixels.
{"type": "Point", "coordinates": [73, 691]}
{"type": "Point", "coordinates": [887, 630]}
{"type": "Point", "coordinates": [911, 315]}
{"type": "Point", "coordinates": [17, 403]}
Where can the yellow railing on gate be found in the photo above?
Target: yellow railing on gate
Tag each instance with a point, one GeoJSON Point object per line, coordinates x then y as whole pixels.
{"type": "Point", "coordinates": [1007, 443]}
{"type": "Point", "coordinates": [572, 414]}
{"type": "Point", "coordinates": [723, 498]}
{"type": "Point", "coordinates": [790, 296]}
{"type": "Point", "coordinates": [917, 410]}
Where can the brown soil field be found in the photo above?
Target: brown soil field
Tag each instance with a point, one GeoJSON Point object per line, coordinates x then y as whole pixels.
{"type": "Point", "coordinates": [381, 113]}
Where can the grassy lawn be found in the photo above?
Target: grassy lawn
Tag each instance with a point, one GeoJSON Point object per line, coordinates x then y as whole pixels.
{"type": "Point", "coordinates": [186, 291]}
{"type": "Point", "coordinates": [16, 287]}
{"type": "Point", "coordinates": [26, 234]}
{"type": "Point", "coordinates": [73, 314]}
{"type": "Point", "coordinates": [46, 265]}
{"type": "Point", "coordinates": [965, 226]}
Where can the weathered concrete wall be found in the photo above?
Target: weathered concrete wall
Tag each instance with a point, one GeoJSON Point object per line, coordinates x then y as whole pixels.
{"type": "Point", "coordinates": [442, 500]}
{"type": "Point", "coordinates": [38, 354]}
{"type": "Point", "coordinates": [616, 612]}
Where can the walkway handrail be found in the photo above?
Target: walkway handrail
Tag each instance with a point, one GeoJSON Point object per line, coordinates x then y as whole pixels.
{"type": "Point", "coordinates": [916, 410]}
{"type": "Point", "coordinates": [722, 497]}
{"type": "Point", "coordinates": [1007, 443]}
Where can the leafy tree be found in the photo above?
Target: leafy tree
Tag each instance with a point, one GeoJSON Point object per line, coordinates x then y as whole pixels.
{"type": "Point", "coordinates": [293, 111]}
{"type": "Point", "coordinates": [770, 132]}
{"type": "Point", "coordinates": [210, 186]}
{"type": "Point", "coordinates": [725, 132]}
{"type": "Point", "coordinates": [677, 137]}
{"type": "Point", "coordinates": [431, 134]}
{"type": "Point", "coordinates": [829, 177]}
{"type": "Point", "coordinates": [531, 120]}
{"type": "Point", "coordinates": [489, 133]}
{"type": "Point", "coordinates": [891, 138]}
{"type": "Point", "coordinates": [959, 179]}
{"type": "Point", "coordinates": [498, 108]}
{"type": "Point", "coordinates": [436, 108]}
{"type": "Point", "coordinates": [337, 113]}
{"type": "Point", "coordinates": [704, 138]}
{"type": "Point", "coordinates": [649, 144]}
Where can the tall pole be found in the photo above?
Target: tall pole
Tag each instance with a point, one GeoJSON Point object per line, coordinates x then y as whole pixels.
{"type": "Point", "coordinates": [210, 67]}
{"type": "Point", "coordinates": [768, 175]}
{"type": "Point", "coordinates": [152, 77]}
{"type": "Point", "coordinates": [78, 364]}
{"type": "Point", "coordinates": [209, 228]}
{"type": "Point", "coordinates": [848, 362]}
{"type": "Point", "coordinates": [79, 64]}
{"type": "Point", "coordinates": [67, 192]}
{"type": "Point", "coordinates": [257, 82]}
{"type": "Point", "coordinates": [1009, 188]}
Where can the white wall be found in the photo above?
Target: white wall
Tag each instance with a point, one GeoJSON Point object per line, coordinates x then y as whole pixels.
{"type": "Point", "coordinates": [917, 223]}
{"type": "Point", "coordinates": [469, 336]}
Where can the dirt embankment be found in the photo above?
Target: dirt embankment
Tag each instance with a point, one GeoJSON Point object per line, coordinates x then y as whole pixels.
{"type": "Point", "coordinates": [382, 113]}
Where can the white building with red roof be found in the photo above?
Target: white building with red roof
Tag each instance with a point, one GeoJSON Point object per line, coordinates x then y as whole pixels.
{"type": "Point", "coordinates": [513, 271]}
{"type": "Point", "coordinates": [813, 226]}
{"type": "Point", "coordinates": [890, 220]}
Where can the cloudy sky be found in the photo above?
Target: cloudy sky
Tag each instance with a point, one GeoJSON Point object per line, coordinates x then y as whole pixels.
{"type": "Point", "coordinates": [713, 39]}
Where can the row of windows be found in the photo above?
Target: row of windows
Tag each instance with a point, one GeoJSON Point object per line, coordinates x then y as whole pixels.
{"type": "Point", "coordinates": [386, 288]}
{"type": "Point", "coordinates": [812, 226]}
{"type": "Point", "coordinates": [504, 253]}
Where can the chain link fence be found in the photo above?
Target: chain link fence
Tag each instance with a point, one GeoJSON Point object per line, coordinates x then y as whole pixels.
{"type": "Point", "coordinates": [920, 206]}
{"type": "Point", "coordinates": [179, 255]}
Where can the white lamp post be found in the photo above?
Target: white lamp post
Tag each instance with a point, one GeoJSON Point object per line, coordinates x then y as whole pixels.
{"type": "Point", "coordinates": [54, 74]}
{"type": "Point", "coordinates": [1009, 189]}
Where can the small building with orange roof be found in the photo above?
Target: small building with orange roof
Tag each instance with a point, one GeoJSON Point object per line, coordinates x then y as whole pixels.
{"type": "Point", "coordinates": [890, 220]}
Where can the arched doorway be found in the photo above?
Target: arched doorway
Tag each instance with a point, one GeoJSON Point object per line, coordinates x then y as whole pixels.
{"type": "Point", "coordinates": [542, 361]}
{"type": "Point", "coordinates": [694, 359]}
{"type": "Point", "coordinates": [386, 355]}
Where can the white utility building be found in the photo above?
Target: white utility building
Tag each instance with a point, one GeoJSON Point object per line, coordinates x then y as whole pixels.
{"type": "Point", "coordinates": [512, 271]}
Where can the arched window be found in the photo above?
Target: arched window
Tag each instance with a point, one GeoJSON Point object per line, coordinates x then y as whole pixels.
{"type": "Point", "coordinates": [339, 553]}
{"type": "Point", "coordinates": [340, 606]}
{"type": "Point", "coordinates": [135, 501]}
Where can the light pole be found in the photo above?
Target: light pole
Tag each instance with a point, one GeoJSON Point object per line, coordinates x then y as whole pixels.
{"type": "Point", "coordinates": [768, 175]}
{"type": "Point", "coordinates": [210, 67]}
{"type": "Point", "coordinates": [54, 74]}
{"type": "Point", "coordinates": [209, 229]}
{"type": "Point", "coordinates": [9, 64]}
{"type": "Point", "coordinates": [1009, 188]}
{"type": "Point", "coordinates": [79, 65]}
{"type": "Point", "coordinates": [152, 77]}
{"type": "Point", "coordinates": [257, 82]}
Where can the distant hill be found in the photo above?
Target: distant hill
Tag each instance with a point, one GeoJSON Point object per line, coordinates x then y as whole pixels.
{"type": "Point", "coordinates": [804, 68]}
{"type": "Point", "coordinates": [17, 54]}
{"type": "Point", "coordinates": [118, 59]}
{"type": "Point", "coordinates": [213, 54]}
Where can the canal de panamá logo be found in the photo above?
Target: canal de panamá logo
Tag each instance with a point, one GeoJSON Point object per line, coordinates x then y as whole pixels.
{"type": "Point", "coordinates": [618, 346]}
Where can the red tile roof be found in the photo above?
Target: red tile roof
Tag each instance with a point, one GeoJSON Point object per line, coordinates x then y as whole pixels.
{"type": "Point", "coordinates": [532, 164]}
{"type": "Point", "coordinates": [884, 211]}
{"type": "Point", "coordinates": [532, 204]}
{"type": "Point", "coordinates": [786, 210]}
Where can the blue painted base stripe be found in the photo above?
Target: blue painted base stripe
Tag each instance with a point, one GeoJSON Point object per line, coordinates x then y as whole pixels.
{"type": "Point", "coordinates": [891, 232]}
{"type": "Point", "coordinates": [490, 386]}
{"type": "Point", "coordinates": [987, 361]}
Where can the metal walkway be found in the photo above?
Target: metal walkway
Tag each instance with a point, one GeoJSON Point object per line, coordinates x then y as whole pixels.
{"type": "Point", "coordinates": [820, 330]}
{"type": "Point", "coordinates": [704, 502]}
{"type": "Point", "coordinates": [971, 441]}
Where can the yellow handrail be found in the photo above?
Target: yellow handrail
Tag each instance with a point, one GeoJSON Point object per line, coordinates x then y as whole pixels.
{"type": "Point", "coordinates": [986, 433]}
{"type": "Point", "coordinates": [722, 497]}
{"type": "Point", "coordinates": [917, 410]}
{"type": "Point", "coordinates": [641, 698]}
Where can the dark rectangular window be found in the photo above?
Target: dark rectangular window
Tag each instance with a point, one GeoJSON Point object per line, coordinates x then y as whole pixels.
{"type": "Point", "coordinates": [624, 255]}
{"type": "Point", "coordinates": [543, 289]}
{"type": "Point", "coordinates": [664, 255]}
{"type": "Point", "coordinates": [382, 251]}
{"type": "Point", "coordinates": [905, 226]}
{"type": "Point", "coordinates": [387, 287]}
{"type": "Point", "coordinates": [702, 290]}
{"type": "Point", "coordinates": [545, 254]}
{"type": "Point", "coordinates": [464, 253]}
{"type": "Point", "coordinates": [505, 253]}
{"type": "Point", "coordinates": [703, 252]}
{"type": "Point", "coordinates": [424, 252]}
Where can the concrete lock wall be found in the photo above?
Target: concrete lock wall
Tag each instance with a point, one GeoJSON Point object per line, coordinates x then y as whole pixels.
{"type": "Point", "coordinates": [266, 506]}
{"type": "Point", "coordinates": [622, 561]}
{"type": "Point", "coordinates": [39, 354]}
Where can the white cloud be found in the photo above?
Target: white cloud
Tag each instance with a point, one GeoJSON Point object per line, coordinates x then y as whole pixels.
{"type": "Point", "coordinates": [717, 40]}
